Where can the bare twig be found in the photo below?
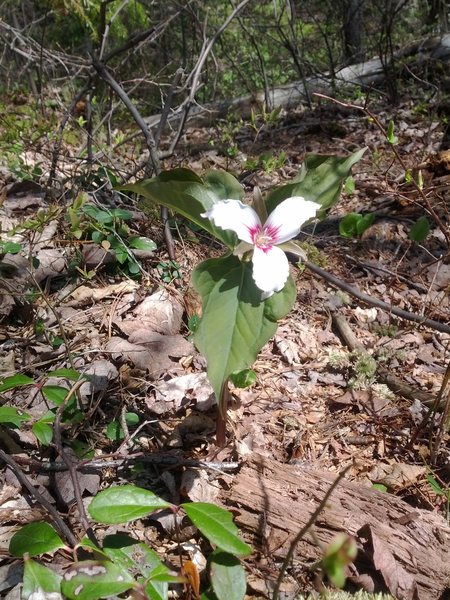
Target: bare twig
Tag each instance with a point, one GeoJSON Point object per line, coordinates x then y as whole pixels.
{"type": "Point", "coordinates": [109, 460]}
{"type": "Point", "coordinates": [59, 136]}
{"type": "Point", "coordinates": [426, 205]}
{"type": "Point", "coordinates": [398, 312]}
{"type": "Point", "coordinates": [58, 522]}
{"type": "Point", "coordinates": [149, 139]}
{"type": "Point", "coordinates": [71, 466]}
{"type": "Point", "coordinates": [396, 384]}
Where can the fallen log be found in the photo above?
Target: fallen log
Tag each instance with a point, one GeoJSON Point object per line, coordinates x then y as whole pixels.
{"type": "Point", "coordinates": [402, 550]}
{"type": "Point", "coordinates": [366, 74]}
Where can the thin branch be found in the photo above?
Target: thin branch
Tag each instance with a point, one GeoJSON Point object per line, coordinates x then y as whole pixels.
{"type": "Point", "coordinates": [28, 485]}
{"type": "Point", "coordinates": [149, 139]}
{"type": "Point", "coordinates": [398, 312]}
{"type": "Point", "coordinates": [71, 466]}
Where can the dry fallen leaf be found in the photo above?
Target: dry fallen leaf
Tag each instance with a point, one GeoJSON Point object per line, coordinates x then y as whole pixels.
{"type": "Point", "coordinates": [400, 583]}
{"type": "Point", "coordinates": [160, 312]}
{"type": "Point", "coordinates": [396, 475]}
{"type": "Point", "coordinates": [85, 294]}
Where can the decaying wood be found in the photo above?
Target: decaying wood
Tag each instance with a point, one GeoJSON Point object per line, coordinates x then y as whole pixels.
{"type": "Point", "coordinates": [406, 550]}
{"type": "Point", "coordinates": [367, 74]}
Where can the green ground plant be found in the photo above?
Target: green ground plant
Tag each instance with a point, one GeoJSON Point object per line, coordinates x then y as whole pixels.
{"type": "Point", "coordinates": [122, 563]}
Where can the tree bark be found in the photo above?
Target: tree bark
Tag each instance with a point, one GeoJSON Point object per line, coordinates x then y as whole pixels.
{"type": "Point", "coordinates": [403, 550]}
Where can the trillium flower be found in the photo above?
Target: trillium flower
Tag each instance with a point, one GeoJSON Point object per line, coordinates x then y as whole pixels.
{"type": "Point", "coordinates": [268, 241]}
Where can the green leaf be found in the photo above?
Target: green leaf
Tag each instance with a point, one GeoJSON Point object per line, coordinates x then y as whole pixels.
{"type": "Point", "coordinates": [55, 393]}
{"type": "Point", "coordinates": [11, 415]}
{"type": "Point", "coordinates": [38, 578]}
{"type": "Point", "coordinates": [114, 431]}
{"type": "Point", "coordinates": [227, 576]}
{"type": "Point", "coordinates": [437, 489]}
{"type": "Point", "coordinates": [43, 432]}
{"type": "Point", "coordinates": [14, 381]}
{"type": "Point", "coordinates": [131, 419]}
{"type": "Point", "coordinates": [10, 247]}
{"type": "Point", "coordinates": [340, 552]}
{"type": "Point", "coordinates": [141, 243]}
{"type": "Point", "coordinates": [349, 185]}
{"type": "Point", "coordinates": [420, 230]}
{"type": "Point", "coordinates": [217, 525]}
{"type": "Point", "coordinates": [244, 378]}
{"type": "Point", "coordinates": [124, 503]}
{"type": "Point", "coordinates": [235, 323]}
{"type": "Point", "coordinates": [355, 224]}
{"type": "Point", "coordinates": [391, 137]}
{"type": "Point", "coordinates": [320, 180]}
{"type": "Point", "coordinates": [121, 213]}
{"type": "Point", "coordinates": [66, 374]}
{"type": "Point", "coordinates": [183, 191]}
{"type": "Point", "coordinates": [35, 539]}
{"type": "Point", "coordinates": [91, 580]}
{"type": "Point", "coordinates": [364, 223]}
{"type": "Point", "coordinates": [224, 185]}
{"type": "Point", "coordinates": [131, 554]}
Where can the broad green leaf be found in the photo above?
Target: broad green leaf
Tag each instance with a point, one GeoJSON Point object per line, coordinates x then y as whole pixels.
{"type": "Point", "coordinates": [131, 419]}
{"type": "Point", "coordinates": [43, 432]}
{"type": "Point", "coordinates": [91, 580]}
{"type": "Point", "coordinates": [14, 381]}
{"type": "Point", "coordinates": [141, 243]}
{"type": "Point", "coordinates": [35, 539]}
{"type": "Point", "coordinates": [235, 323]}
{"type": "Point", "coordinates": [347, 225]}
{"type": "Point", "coordinates": [227, 576]}
{"type": "Point", "coordinates": [184, 192]}
{"type": "Point", "coordinates": [364, 223]}
{"type": "Point", "coordinates": [55, 393]}
{"type": "Point", "coordinates": [121, 213]}
{"type": "Point", "coordinates": [217, 525]}
{"type": "Point", "coordinates": [243, 379]}
{"type": "Point", "coordinates": [380, 487]}
{"type": "Point", "coordinates": [224, 185]}
{"type": "Point", "coordinates": [355, 224]}
{"type": "Point", "coordinates": [66, 374]}
{"type": "Point", "coordinates": [37, 578]}
{"type": "Point", "coordinates": [10, 414]}
{"type": "Point", "coordinates": [10, 247]}
{"type": "Point", "coordinates": [420, 230]}
{"type": "Point", "coordinates": [131, 554]}
{"type": "Point", "coordinates": [124, 503]}
{"type": "Point", "coordinates": [114, 431]}
{"type": "Point", "coordinates": [320, 180]}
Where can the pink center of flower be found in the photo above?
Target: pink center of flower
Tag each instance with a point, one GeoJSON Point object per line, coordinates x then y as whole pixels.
{"type": "Point", "coordinates": [264, 237]}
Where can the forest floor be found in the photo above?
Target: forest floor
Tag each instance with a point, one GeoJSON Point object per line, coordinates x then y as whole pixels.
{"type": "Point", "coordinates": [342, 384]}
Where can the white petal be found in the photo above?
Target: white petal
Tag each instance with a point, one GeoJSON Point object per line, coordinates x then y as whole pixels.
{"type": "Point", "coordinates": [270, 269]}
{"type": "Point", "coordinates": [288, 217]}
{"type": "Point", "coordinates": [234, 215]}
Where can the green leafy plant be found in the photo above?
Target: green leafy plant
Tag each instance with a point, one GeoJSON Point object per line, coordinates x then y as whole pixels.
{"type": "Point", "coordinates": [123, 563]}
{"type": "Point", "coordinates": [109, 229]}
{"type": "Point", "coordinates": [355, 224]}
{"type": "Point", "coordinates": [420, 230]}
{"type": "Point", "coordinates": [169, 270]}
{"type": "Point", "coordinates": [338, 555]}
{"type": "Point", "coordinates": [242, 302]}
{"type": "Point", "coordinates": [52, 395]}
{"type": "Point", "coordinates": [268, 162]}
